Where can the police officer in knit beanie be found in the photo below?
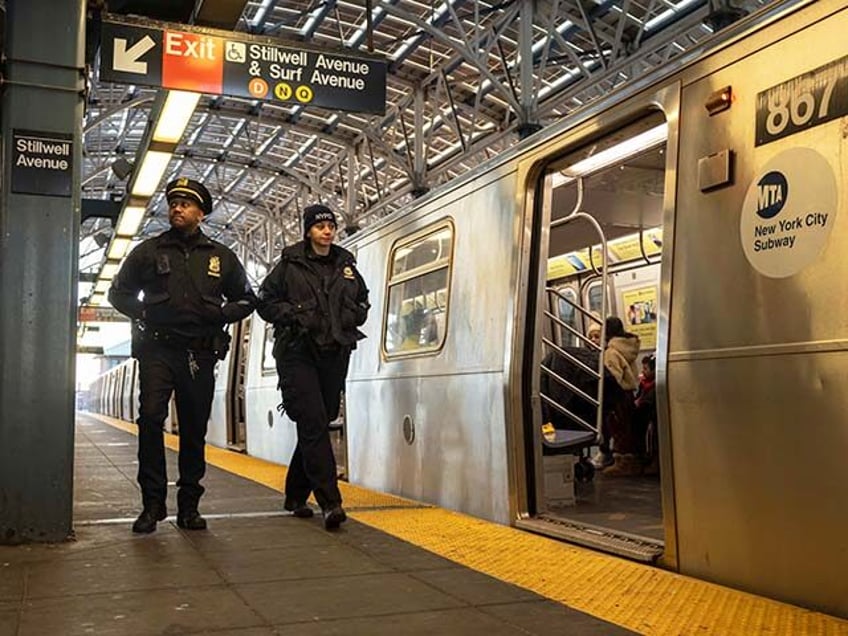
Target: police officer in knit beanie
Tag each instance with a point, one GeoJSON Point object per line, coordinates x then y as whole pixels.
{"type": "Point", "coordinates": [314, 214]}
{"type": "Point", "coordinates": [316, 300]}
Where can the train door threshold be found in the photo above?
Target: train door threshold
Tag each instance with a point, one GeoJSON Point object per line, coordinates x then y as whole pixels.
{"type": "Point", "coordinates": [618, 543]}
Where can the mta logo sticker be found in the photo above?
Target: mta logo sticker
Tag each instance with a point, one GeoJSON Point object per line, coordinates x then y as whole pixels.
{"type": "Point", "coordinates": [772, 191]}
{"type": "Point", "coordinates": [781, 235]}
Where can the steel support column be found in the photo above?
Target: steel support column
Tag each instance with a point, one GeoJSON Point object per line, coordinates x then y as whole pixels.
{"type": "Point", "coordinates": [528, 118]}
{"type": "Point", "coordinates": [39, 250]}
{"type": "Point", "coordinates": [419, 155]}
{"type": "Point", "coordinates": [350, 192]}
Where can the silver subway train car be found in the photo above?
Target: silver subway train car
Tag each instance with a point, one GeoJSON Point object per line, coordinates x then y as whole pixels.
{"type": "Point", "coordinates": [704, 206]}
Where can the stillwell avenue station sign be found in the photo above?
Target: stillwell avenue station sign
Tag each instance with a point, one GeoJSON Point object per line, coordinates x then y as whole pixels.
{"type": "Point", "coordinates": [181, 57]}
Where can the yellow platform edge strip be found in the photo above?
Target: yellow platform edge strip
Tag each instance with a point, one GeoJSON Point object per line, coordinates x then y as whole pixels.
{"type": "Point", "coordinates": [268, 473]}
{"type": "Point", "coordinates": [642, 598]}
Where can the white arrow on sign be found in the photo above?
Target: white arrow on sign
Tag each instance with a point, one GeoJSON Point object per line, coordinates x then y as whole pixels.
{"type": "Point", "coordinates": [126, 59]}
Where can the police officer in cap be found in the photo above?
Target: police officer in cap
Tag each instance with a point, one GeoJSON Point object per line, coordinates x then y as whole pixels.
{"type": "Point", "coordinates": [315, 299]}
{"type": "Point", "coordinates": [192, 287]}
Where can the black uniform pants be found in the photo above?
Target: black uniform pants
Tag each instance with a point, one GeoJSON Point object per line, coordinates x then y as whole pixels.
{"type": "Point", "coordinates": [311, 383]}
{"type": "Point", "coordinates": [189, 374]}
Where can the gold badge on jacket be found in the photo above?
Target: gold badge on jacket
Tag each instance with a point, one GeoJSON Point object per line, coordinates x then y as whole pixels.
{"type": "Point", "coordinates": [214, 266]}
{"type": "Point", "coordinates": [348, 272]}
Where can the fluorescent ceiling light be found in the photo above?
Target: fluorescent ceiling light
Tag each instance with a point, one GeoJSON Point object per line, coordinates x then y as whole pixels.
{"type": "Point", "coordinates": [153, 167]}
{"type": "Point", "coordinates": [102, 286]}
{"type": "Point", "coordinates": [130, 220]}
{"type": "Point", "coordinates": [109, 270]}
{"type": "Point", "coordinates": [616, 154]}
{"type": "Point", "coordinates": [176, 113]}
{"type": "Point", "coordinates": [118, 249]}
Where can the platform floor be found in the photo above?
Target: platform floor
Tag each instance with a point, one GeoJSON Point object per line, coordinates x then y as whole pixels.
{"type": "Point", "coordinates": [396, 567]}
{"type": "Point", "coordinates": [256, 571]}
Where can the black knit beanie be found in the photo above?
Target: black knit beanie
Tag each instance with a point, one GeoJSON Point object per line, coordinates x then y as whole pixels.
{"type": "Point", "coordinates": [313, 214]}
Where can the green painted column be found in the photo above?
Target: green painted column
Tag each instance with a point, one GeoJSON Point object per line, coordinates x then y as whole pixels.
{"type": "Point", "coordinates": [41, 111]}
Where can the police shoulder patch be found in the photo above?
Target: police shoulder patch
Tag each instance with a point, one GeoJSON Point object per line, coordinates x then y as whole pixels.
{"type": "Point", "coordinates": [214, 266]}
{"type": "Point", "coordinates": [348, 272]}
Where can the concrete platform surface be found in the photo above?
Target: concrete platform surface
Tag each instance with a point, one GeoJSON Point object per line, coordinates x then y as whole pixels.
{"type": "Point", "coordinates": [256, 571]}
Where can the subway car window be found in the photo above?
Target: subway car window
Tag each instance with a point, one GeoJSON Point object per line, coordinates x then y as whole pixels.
{"type": "Point", "coordinates": [418, 292]}
{"type": "Point", "coordinates": [595, 293]}
{"type": "Point", "coordinates": [568, 314]}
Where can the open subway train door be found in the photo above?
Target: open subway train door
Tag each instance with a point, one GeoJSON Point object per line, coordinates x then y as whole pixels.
{"type": "Point", "coordinates": [594, 463]}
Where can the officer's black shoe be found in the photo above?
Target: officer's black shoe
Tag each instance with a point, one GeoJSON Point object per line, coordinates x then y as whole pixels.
{"type": "Point", "coordinates": [298, 509]}
{"type": "Point", "coordinates": [334, 516]}
{"type": "Point", "coordinates": [149, 517]}
{"type": "Point", "coordinates": [191, 521]}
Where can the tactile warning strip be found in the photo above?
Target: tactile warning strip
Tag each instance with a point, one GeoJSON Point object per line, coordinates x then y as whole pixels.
{"type": "Point", "coordinates": [640, 597]}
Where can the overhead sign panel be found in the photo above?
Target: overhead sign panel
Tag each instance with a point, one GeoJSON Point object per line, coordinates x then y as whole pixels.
{"type": "Point", "coordinates": [242, 65]}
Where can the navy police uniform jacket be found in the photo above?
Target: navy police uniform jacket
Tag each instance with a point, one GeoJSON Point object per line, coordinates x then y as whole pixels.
{"type": "Point", "coordinates": [192, 286]}
{"type": "Point", "coordinates": [320, 298]}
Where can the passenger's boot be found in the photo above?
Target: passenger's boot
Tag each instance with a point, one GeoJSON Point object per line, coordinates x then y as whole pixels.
{"type": "Point", "coordinates": [626, 465]}
{"type": "Point", "coordinates": [602, 460]}
{"type": "Point", "coordinates": [153, 513]}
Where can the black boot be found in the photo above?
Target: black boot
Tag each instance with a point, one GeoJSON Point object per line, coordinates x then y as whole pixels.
{"type": "Point", "coordinates": [147, 520]}
{"type": "Point", "coordinates": [298, 509]}
{"type": "Point", "coordinates": [334, 516]}
{"type": "Point", "coordinates": [191, 520]}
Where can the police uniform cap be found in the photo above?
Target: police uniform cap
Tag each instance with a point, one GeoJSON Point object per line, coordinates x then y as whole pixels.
{"type": "Point", "coordinates": [190, 189]}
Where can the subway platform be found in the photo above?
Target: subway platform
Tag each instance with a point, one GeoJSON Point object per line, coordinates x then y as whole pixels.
{"type": "Point", "coordinates": [396, 567]}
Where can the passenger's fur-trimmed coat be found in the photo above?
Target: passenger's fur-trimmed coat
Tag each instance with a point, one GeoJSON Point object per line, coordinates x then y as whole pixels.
{"type": "Point", "coordinates": [620, 360]}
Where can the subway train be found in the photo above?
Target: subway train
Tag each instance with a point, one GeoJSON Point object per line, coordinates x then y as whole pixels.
{"type": "Point", "coordinates": [703, 205]}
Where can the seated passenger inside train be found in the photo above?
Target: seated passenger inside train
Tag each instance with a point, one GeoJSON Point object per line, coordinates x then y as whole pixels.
{"type": "Point", "coordinates": [623, 433]}
{"type": "Point", "coordinates": [594, 334]}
